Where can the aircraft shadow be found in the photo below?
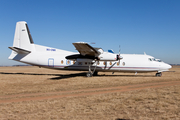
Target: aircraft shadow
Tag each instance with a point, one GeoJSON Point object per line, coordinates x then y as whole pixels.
{"type": "Point", "coordinates": [126, 75]}
{"type": "Point", "coordinates": [28, 74]}
{"type": "Point", "coordinates": [60, 76]}
{"type": "Point", "coordinates": [65, 76]}
{"type": "Point", "coordinates": [84, 75]}
{"type": "Point", "coordinates": [122, 119]}
{"type": "Point", "coordinates": [68, 76]}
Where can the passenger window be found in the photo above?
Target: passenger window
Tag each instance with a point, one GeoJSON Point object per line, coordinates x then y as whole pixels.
{"type": "Point", "coordinates": [61, 61]}
{"type": "Point", "coordinates": [68, 62]}
{"type": "Point", "coordinates": [79, 63]}
{"type": "Point", "coordinates": [118, 63]}
{"type": "Point", "coordinates": [150, 59]}
{"type": "Point", "coordinates": [110, 63]}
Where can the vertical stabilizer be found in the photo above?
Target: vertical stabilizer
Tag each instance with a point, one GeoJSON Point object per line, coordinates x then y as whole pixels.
{"type": "Point", "coordinates": [22, 37]}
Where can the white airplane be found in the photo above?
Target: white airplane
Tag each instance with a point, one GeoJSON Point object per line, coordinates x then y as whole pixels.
{"type": "Point", "coordinates": [87, 58]}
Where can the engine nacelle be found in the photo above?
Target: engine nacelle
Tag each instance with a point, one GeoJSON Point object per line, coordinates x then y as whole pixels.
{"type": "Point", "coordinates": [106, 56]}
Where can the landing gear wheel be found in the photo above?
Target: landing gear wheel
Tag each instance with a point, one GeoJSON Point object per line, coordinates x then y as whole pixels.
{"type": "Point", "coordinates": [158, 74]}
{"type": "Point", "coordinates": [89, 74]}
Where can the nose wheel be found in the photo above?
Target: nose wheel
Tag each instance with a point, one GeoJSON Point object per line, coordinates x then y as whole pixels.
{"type": "Point", "coordinates": [158, 74]}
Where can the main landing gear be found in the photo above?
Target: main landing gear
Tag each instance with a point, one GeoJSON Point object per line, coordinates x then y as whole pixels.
{"type": "Point", "coordinates": [159, 74]}
{"type": "Point", "coordinates": [91, 73]}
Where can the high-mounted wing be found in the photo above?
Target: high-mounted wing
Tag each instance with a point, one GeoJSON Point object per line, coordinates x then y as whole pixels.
{"type": "Point", "coordinates": [89, 52]}
{"type": "Point", "coordinates": [85, 49]}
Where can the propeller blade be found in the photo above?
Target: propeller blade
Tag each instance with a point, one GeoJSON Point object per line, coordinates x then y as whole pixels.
{"type": "Point", "coordinates": [119, 53]}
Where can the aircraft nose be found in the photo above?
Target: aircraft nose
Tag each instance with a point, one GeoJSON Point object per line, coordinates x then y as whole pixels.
{"type": "Point", "coordinates": [168, 66]}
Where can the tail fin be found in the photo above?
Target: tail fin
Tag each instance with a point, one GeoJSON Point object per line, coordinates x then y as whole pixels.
{"type": "Point", "coordinates": [23, 42]}
{"type": "Point", "coordinates": [22, 37]}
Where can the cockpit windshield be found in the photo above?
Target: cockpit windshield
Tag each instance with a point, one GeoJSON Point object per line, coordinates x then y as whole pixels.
{"type": "Point", "coordinates": [153, 59]}
{"type": "Point", "coordinates": [158, 60]}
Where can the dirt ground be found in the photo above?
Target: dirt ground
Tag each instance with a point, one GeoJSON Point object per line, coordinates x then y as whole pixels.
{"type": "Point", "coordinates": [36, 93]}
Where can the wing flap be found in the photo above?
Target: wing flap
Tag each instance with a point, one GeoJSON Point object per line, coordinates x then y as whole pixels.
{"type": "Point", "coordinates": [85, 49]}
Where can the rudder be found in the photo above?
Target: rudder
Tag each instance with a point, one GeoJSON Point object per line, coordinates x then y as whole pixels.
{"type": "Point", "coordinates": [22, 37]}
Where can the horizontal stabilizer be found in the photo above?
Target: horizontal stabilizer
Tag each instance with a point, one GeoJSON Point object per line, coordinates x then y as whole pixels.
{"type": "Point", "coordinates": [19, 50]}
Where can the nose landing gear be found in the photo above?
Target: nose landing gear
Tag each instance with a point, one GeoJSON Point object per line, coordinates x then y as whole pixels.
{"type": "Point", "coordinates": [159, 74]}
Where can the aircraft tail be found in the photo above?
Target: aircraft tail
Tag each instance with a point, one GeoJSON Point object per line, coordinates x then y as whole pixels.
{"type": "Point", "coordinates": [23, 42]}
{"type": "Point", "coordinates": [22, 37]}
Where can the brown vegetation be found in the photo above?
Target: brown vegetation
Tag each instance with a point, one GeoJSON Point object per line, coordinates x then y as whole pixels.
{"type": "Point", "coordinates": [38, 93]}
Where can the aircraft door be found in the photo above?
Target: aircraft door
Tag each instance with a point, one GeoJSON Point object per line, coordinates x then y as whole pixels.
{"type": "Point", "coordinates": [51, 62]}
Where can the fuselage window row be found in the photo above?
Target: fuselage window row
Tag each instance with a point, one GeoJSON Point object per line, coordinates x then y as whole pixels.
{"type": "Point", "coordinates": [87, 63]}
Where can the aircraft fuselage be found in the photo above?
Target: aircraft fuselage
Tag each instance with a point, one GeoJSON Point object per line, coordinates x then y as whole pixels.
{"type": "Point", "coordinates": [88, 59]}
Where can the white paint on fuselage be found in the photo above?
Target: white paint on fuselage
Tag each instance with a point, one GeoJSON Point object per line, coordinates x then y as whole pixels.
{"type": "Point", "coordinates": [24, 50]}
{"type": "Point", "coordinates": [46, 56]}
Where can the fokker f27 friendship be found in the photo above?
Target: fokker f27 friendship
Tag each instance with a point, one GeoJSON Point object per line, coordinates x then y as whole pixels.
{"type": "Point", "coordinates": [87, 58]}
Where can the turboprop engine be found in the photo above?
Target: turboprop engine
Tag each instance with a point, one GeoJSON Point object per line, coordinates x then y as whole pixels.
{"type": "Point", "coordinates": [97, 54]}
{"type": "Point", "coordinates": [106, 56]}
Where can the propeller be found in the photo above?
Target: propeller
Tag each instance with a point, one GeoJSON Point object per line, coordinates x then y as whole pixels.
{"type": "Point", "coordinates": [119, 50]}
{"type": "Point", "coordinates": [119, 55]}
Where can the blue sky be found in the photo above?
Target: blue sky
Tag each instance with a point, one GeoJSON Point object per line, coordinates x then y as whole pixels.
{"type": "Point", "coordinates": [138, 26]}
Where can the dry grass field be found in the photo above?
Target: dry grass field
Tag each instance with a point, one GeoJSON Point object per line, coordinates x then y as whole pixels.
{"type": "Point", "coordinates": [34, 93]}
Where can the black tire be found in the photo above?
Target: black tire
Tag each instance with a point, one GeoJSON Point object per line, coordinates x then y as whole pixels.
{"type": "Point", "coordinates": [89, 74]}
{"type": "Point", "coordinates": [158, 74]}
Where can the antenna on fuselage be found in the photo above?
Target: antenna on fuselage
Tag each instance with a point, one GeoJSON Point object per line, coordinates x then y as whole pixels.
{"type": "Point", "coordinates": [92, 43]}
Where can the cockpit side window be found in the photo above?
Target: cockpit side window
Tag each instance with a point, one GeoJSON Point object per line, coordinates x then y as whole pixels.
{"type": "Point", "coordinates": [153, 59]}
{"type": "Point", "coordinates": [158, 60]}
